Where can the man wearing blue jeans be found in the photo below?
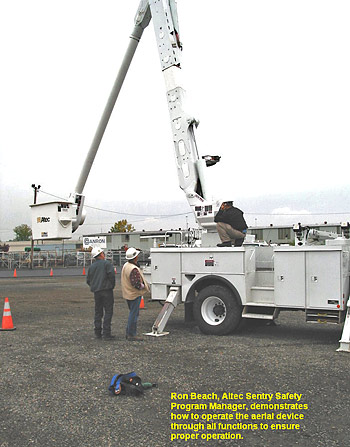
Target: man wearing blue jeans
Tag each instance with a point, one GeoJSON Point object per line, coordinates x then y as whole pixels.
{"type": "Point", "coordinates": [134, 307]}
{"type": "Point", "coordinates": [134, 286]}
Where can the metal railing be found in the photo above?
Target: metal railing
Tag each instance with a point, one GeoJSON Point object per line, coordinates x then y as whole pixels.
{"type": "Point", "coordinates": [188, 238]}
{"type": "Point", "coordinates": [68, 258]}
{"type": "Point", "coordinates": [44, 259]}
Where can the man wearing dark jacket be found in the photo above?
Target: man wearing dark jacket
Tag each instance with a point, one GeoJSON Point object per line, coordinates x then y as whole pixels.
{"type": "Point", "coordinates": [230, 225]}
{"type": "Point", "coordinates": [101, 279]}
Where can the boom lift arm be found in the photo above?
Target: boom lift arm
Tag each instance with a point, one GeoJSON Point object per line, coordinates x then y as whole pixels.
{"type": "Point", "coordinates": [304, 234]}
{"type": "Point", "coordinates": [142, 20]}
{"type": "Point", "coordinates": [190, 167]}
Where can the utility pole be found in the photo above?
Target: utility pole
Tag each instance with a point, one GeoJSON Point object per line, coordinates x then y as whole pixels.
{"type": "Point", "coordinates": [36, 189]}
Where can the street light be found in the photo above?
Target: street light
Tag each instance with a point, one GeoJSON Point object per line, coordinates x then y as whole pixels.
{"type": "Point", "coordinates": [36, 189]}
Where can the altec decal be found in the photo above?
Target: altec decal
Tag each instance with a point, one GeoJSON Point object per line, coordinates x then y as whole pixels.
{"type": "Point", "coordinates": [42, 219]}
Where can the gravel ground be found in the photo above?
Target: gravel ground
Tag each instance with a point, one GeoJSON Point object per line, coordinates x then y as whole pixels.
{"type": "Point", "coordinates": [55, 374]}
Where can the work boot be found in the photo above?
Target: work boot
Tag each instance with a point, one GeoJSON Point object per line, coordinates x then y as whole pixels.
{"type": "Point", "coordinates": [225, 244]}
{"type": "Point", "coordinates": [134, 338]}
{"type": "Point", "coordinates": [98, 333]}
{"type": "Point", "coordinates": [108, 337]}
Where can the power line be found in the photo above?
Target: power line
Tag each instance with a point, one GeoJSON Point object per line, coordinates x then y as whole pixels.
{"type": "Point", "coordinates": [140, 215]}
{"type": "Point", "coordinates": [185, 213]}
{"type": "Point", "coordinates": [122, 212]}
{"type": "Point", "coordinates": [298, 214]}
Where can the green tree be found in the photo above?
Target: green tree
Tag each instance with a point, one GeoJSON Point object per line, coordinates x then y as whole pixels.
{"type": "Point", "coordinates": [23, 233]}
{"type": "Point", "coordinates": [122, 226]}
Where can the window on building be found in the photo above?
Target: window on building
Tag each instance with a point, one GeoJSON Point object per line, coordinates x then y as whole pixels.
{"type": "Point", "coordinates": [259, 234]}
{"type": "Point", "coordinates": [333, 229]}
{"type": "Point", "coordinates": [284, 233]}
{"type": "Point", "coordinates": [125, 238]}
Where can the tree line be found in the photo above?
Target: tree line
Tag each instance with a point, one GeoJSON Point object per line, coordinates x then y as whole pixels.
{"type": "Point", "coordinates": [23, 232]}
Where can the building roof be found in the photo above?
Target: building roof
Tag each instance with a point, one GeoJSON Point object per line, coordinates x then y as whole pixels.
{"type": "Point", "coordinates": [141, 233]}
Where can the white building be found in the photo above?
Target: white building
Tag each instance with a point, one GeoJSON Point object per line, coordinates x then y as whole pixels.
{"type": "Point", "coordinates": [283, 234]}
{"type": "Point", "coordinates": [143, 240]}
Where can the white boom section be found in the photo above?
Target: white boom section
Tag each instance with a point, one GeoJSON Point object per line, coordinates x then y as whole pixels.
{"type": "Point", "coordinates": [190, 167]}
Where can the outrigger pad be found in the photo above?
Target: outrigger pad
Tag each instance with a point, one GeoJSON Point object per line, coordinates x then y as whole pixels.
{"type": "Point", "coordinates": [156, 334]}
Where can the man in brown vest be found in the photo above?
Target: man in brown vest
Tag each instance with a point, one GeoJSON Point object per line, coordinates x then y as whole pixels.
{"type": "Point", "coordinates": [134, 286]}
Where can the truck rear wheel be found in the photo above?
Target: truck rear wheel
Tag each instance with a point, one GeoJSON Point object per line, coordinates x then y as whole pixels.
{"type": "Point", "coordinates": [216, 310]}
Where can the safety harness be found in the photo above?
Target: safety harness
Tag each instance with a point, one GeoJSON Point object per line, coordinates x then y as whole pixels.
{"type": "Point", "coordinates": [129, 384]}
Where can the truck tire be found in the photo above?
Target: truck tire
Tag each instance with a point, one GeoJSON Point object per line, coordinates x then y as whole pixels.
{"type": "Point", "coordinates": [217, 311]}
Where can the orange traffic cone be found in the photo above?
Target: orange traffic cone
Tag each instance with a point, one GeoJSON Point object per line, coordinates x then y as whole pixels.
{"type": "Point", "coordinates": [15, 273]}
{"type": "Point", "coordinates": [51, 272]}
{"type": "Point", "coordinates": [7, 323]}
{"type": "Point", "coordinates": [142, 303]}
{"type": "Point", "coordinates": [83, 271]}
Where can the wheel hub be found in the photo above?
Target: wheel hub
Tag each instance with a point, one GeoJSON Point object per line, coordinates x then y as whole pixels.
{"type": "Point", "coordinates": [213, 310]}
{"type": "Point", "coordinates": [218, 309]}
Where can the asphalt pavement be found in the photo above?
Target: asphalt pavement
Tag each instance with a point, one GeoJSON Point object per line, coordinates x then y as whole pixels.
{"type": "Point", "coordinates": [42, 272]}
{"type": "Point", "coordinates": [55, 374]}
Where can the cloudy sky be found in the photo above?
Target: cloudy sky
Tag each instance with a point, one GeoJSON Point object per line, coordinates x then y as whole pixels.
{"type": "Point", "coordinates": [267, 79]}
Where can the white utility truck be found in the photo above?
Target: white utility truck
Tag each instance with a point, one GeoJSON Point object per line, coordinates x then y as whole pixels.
{"type": "Point", "coordinates": [219, 286]}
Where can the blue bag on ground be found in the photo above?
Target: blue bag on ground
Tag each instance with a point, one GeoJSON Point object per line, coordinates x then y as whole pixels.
{"type": "Point", "coordinates": [128, 384]}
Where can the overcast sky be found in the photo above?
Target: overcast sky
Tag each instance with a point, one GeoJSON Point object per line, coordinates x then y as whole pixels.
{"type": "Point", "coordinates": [269, 81]}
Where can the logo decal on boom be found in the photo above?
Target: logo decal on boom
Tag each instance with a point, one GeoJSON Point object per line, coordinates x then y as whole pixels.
{"type": "Point", "coordinates": [42, 219]}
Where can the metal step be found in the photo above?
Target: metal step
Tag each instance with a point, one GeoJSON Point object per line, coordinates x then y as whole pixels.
{"type": "Point", "coordinates": [324, 316]}
{"type": "Point", "coordinates": [259, 312]}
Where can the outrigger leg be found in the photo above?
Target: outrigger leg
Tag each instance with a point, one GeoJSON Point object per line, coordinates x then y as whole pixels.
{"type": "Point", "coordinates": [345, 338]}
{"type": "Point", "coordinates": [171, 302]}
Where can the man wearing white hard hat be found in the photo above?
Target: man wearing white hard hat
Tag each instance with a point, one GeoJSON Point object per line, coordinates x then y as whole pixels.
{"type": "Point", "coordinates": [134, 286]}
{"type": "Point", "coordinates": [101, 279]}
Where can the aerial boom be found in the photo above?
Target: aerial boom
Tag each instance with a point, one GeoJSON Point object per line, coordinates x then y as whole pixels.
{"type": "Point", "coordinates": [142, 20]}
{"type": "Point", "coordinates": [190, 167]}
